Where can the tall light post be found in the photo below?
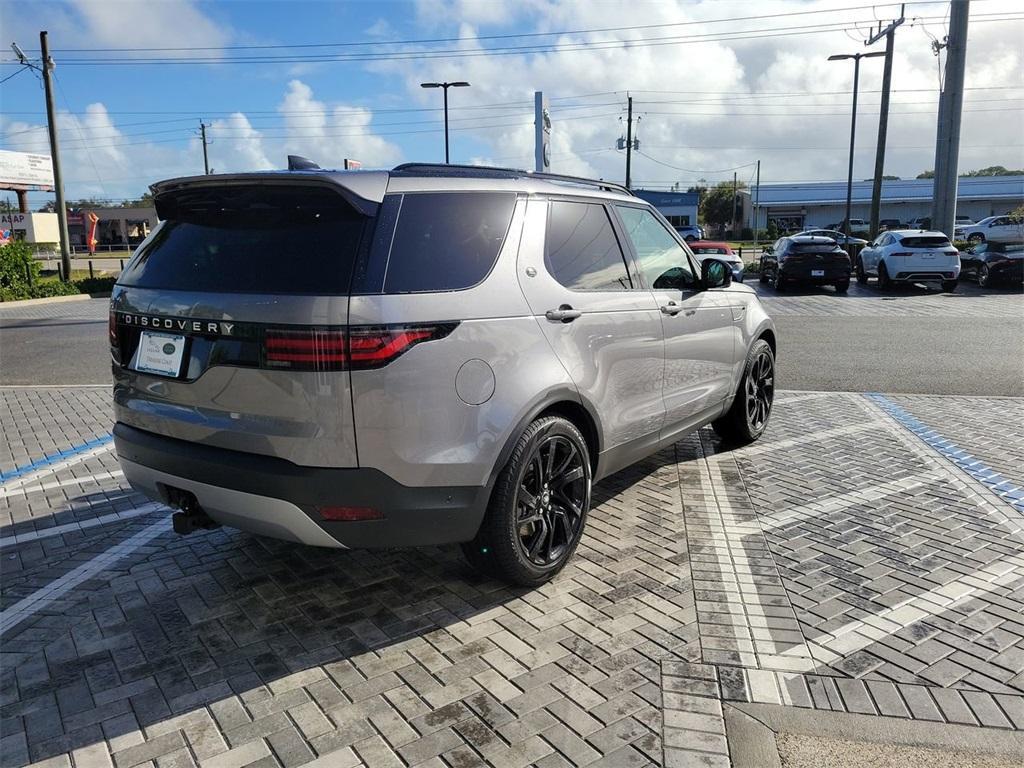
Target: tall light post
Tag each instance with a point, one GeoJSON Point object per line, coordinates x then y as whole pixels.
{"type": "Point", "coordinates": [853, 125]}
{"type": "Point", "coordinates": [446, 86]}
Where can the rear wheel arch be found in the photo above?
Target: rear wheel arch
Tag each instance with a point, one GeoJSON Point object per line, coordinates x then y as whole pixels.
{"type": "Point", "coordinates": [559, 402]}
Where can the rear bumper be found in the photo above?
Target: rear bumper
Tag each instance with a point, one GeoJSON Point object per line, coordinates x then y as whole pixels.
{"type": "Point", "coordinates": [940, 274]}
{"type": "Point", "coordinates": [276, 498]}
{"type": "Point", "coordinates": [802, 275]}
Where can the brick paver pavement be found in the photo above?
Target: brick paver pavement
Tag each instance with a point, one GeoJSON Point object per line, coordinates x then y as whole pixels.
{"type": "Point", "coordinates": [840, 563]}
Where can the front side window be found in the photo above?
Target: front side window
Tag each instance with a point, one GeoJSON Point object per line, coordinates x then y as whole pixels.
{"type": "Point", "coordinates": [581, 251]}
{"type": "Point", "coordinates": [662, 261]}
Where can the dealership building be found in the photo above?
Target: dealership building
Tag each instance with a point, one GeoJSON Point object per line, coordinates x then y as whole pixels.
{"type": "Point", "coordinates": [680, 208]}
{"type": "Point", "coordinates": [820, 204]}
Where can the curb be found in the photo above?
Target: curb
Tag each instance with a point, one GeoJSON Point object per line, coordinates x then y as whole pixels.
{"type": "Point", "coordinates": [53, 299]}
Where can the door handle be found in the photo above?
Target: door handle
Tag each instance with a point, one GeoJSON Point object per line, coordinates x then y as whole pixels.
{"type": "Point", "coordinates": [671, 308]}
{"type": "Point", "coordinates": [564, 314]}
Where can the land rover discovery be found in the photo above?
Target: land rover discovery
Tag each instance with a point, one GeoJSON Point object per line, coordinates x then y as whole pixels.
{"type": "Point", "coordinates": [420, 356]}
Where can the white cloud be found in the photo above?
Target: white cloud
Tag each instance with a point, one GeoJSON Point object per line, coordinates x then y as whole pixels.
{"type": "Point", "coordinates": [698, 102]}
{"type": "Point", "coordinates": [152, 24]}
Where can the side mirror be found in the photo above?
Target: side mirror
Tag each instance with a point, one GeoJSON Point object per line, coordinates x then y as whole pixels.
{"type": "Point", "coordinates": [715, 274]}
{"type": "Point", "coordinates": [769, 249]}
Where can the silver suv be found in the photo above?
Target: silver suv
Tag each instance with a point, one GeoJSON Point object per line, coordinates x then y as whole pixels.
{"type": "Point", "coordinates": [421, 356]}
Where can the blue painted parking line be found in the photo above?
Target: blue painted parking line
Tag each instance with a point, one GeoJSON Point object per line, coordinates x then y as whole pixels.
{"type": "Point", "coordinates": [53, 458]}
{"type": "Point", "coordinates": [1008, 490]}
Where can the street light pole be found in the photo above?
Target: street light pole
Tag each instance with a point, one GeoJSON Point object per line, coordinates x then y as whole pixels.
{"type": "Point", "coordinates": [853, 126]}
{"type": "Point", "coordinates": [446, 86]}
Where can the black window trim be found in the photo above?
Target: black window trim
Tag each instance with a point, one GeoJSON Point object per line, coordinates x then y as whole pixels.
{"type": "Point", "coordinates": [634, 256]}
{"type": "Point", "coordinates": [627, 261]}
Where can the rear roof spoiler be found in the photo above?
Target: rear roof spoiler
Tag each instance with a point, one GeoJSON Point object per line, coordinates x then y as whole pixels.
{"type": "Point", "coordinates": [363, 191]}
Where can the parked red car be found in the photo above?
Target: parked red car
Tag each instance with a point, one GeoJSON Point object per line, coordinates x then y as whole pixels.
{"type": "Point", "coordinates": [722, 251]}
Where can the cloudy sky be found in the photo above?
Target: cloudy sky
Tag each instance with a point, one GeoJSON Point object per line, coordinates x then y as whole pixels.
{"type": "Point", "coordinates": [716, 85]}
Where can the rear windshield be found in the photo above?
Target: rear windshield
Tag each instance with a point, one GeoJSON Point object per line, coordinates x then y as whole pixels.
{"type": "Point", "coordinates": [250, 240]}
{"type": "Point", "coordinates": [925, 242]}
{"type": "Point", "coordinates": [700, 250]}
{"type": "Point", "coordinates": [814, 248]}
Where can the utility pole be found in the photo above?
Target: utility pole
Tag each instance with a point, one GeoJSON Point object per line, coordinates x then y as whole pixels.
{"type": "Point", "coordinates": [757, 203]}
{"type": "Point", "coordinates": [951, 102]}
{"type": "Point", "coordinates": [58, 179]}
{"type": "Point", "coordinates": [206, 158]}
{"type": "Point", "coordinates": [732, 221]}
{"type": "Point", "coordinates": [883, 117]}
{"type": "Point", "coordinates": [629, 138]}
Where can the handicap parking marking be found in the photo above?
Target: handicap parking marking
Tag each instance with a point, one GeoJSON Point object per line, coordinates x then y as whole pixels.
{"type": "Point", "coordinates": [1007, 490]}
{"type": "Point", "coordinates": [56, 461]}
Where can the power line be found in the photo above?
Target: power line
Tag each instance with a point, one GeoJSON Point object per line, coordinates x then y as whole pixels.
{"type": "Point", "coordinates": [461, 53]}
{"type": "Point", "coordinates": [427, 41]}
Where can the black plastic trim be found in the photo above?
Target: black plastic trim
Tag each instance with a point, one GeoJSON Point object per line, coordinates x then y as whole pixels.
{"type": "Point", "coordinates": [413, 516]}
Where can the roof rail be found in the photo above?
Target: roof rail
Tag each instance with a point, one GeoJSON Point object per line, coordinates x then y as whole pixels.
{"type": "Point", "coordinates": [491, 172]}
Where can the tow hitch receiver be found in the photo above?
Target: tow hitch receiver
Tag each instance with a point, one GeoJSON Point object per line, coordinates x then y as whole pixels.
{"type": "Point", "coordinates": [191, 515]}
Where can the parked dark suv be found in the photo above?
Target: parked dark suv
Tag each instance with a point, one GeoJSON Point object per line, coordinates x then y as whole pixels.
{"type": "Point", "coordinates": [427, 355]}
{"type": "Point", "coordinates": [805, 259]}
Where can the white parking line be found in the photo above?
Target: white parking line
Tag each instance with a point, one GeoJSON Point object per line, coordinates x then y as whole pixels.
{"type": "Point", "coordinates": [25, 490]}
{"type": "Point", "coordinates": [861, 633]}
{"type": "Point", "coordinates": [58, 530]}
{"type": "Point", "coordinates": [49, 469]}
{"type": "Point", "coordinates": [838, 503]}
{"type": "Point", "coordinates": [769, 447]}
{"type": "Point", "coordinates": [31, 605]}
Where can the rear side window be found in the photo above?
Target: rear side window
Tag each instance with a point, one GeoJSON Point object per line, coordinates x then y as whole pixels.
{"type": "Point", "coordinates": [447, 241]}
{"type": "Point", "coordinates": [250, 239]}
{"type": "Point", "coordinates": [581, 251]}
{"type": "Point", "coordinates": [925, 242]}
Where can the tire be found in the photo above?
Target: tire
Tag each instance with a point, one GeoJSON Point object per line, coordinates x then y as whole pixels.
{"type": "Point", "coordinates": [975, 238]}
{"type": "Point", "coordinates": [984, 277]}
{"type": "Point", "coordinates": [777, 282]}
{"type": "Point", "coordinates": [513, 543]}
{"type": "Point", "coordinates": [862, 276]}
{"type": "Point", "coordinates": [739, 426]}
{"type": "Point", "coordinates": [843, 286]}
{"type": "Point", "coordinates": [949, 286]}
{"type": "Point", "coordinates": [884, 282]}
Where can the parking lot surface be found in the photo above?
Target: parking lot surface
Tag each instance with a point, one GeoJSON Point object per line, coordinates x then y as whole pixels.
{"type": "Point", "coordinates": [864, 557]}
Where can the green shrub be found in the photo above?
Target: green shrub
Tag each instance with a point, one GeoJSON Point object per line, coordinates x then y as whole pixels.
{"type": "Point", "coordinates": [19, 271]}
{"type": "Point", "coordinates": [752, 268]}
{"type": "Point", "coordinates": [96, 284]}
{"type": "Point", "coordinates": [21, 278]}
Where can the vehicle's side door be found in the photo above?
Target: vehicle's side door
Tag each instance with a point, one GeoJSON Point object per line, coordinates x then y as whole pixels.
{"type": "Point", "coordinates": [872, 254]}
{"type": "Point", "coordinates": [1004, 229]}
{"type": "Point", "coordinates": [700, 332]}
{"type": "Point", "coordinates": [972, 258]}
{"type": "Point", "coordinates": [604, 328]}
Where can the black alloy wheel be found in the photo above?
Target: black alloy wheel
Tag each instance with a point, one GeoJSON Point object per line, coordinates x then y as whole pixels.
{"type": "Point", "coordinates": [984, 276]}
{"type": "Point", "coordinates": [760, 390]}
{"type": "Point", "coordinates": [747, 417]}
{"type": "Point", "coordinates": [538, 508]}
{"type": "Point", "coordinates": [777, 283]}
{"type": "Point", "coordinates": [550, 501]}
{"type": "Point", "coordinates": [884, 282]}
{"type": "Point", "coordinates": [862, 276]}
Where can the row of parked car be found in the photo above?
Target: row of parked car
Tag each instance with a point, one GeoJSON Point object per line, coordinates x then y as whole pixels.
{"type": "Point", "coordinates": [817, 257]}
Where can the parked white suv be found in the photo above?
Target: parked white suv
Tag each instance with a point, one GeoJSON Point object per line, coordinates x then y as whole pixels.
{"type": "Point", "coordinates": [910, 256]}
{"type": "Point", "coordinates": [994, 229]}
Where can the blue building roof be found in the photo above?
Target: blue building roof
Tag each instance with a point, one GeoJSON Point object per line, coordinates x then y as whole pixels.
{"type": "Point", "coordinates": [666, 199]}
{"type": "Point", "coordinates": [904, 190]}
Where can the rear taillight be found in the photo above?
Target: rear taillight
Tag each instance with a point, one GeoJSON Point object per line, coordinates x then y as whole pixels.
{"type": "Point", "coordinates": [306, 349]}
{"type": "Point", "coordinates": [356, 349]}
{"type": "Point", "coordinates": [112, 328]}
{"type": "Point", "coordinates": [903, 254]}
